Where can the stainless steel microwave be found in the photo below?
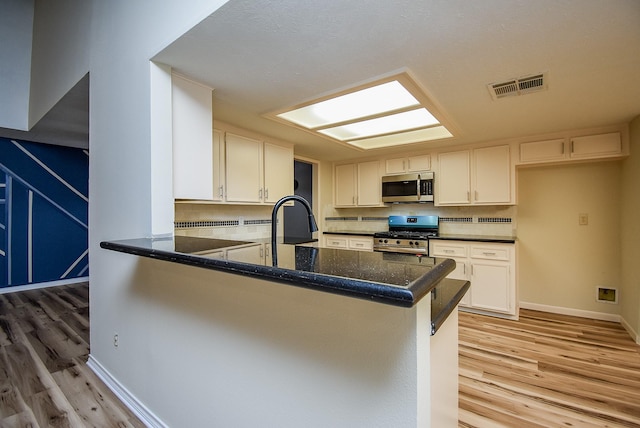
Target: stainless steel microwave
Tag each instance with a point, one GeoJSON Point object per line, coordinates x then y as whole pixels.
{"type": "Point", "coordinates": [406, 188]}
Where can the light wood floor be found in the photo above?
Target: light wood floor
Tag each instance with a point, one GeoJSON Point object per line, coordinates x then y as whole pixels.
{"type": "Point", "coordinates": [547, 370]}
{"type": "Point", "coordinates": [44, 381]}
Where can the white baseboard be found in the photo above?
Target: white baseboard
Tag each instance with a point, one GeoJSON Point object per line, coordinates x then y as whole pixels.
{"type": "Point", "coordinates": [584, 314]}
{"type": "Point", "coordinates": [634, 334]}
{"type": "Point", "coordinates": [140, 410]}
{"type": "Point", "coordinates": [570, 311]}
{"type": "Point", "coordinates": [34, 286]}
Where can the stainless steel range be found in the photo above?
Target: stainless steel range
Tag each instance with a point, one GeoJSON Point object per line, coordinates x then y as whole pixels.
{"type": "Point", "coordinates": [407, 234]}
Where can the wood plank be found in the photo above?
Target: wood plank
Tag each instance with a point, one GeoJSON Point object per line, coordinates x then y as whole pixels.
{"type": "Point", "coordinates": [44, 381]}
{"type": "Point", "coordinates": [547, 370]}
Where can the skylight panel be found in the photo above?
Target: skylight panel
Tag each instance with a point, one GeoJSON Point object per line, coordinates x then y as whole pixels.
{"type": "Point", "coordinates": [419, 118]}
{"type": "Point", "coordinates": [372, 101]}
{"type": "Point", "coordinates": [391, 112]}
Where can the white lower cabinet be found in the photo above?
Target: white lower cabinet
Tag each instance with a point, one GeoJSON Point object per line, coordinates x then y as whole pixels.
{"type": "Point", "coordinates": [491, 269]}
{"type": "Point", "coordinates": [347, 242]}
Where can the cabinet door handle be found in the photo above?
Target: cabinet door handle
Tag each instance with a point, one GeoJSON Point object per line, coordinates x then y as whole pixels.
{"type": "Point", "coordinates": [563, 147]}
{"type": "Point", "coordinates": [468, 196]}
{"type": "Point", "coordinates": [572, 147]}
{"type": "Point", "coordinates": [260, 194]}
{"type": "Point", "coordinates": [449, 251]}
{"type": "Point", "coordinates": [221, 192]}
{"type": "Point", "coordinates": [476, 195]}
{"type": "Point", "coordinates": [488, 253]}
{"type": "Point", "coordinates": [266, 194]}
{"type": "Point", "coordinates": [261, 253]}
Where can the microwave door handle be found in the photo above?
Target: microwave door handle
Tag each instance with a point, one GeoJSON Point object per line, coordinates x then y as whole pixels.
{"type": "Point", "coordinates": [418, 187]}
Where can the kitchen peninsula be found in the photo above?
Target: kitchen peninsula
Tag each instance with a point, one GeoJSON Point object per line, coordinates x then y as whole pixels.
{"type": "Point", "coordinates": [363, 330]}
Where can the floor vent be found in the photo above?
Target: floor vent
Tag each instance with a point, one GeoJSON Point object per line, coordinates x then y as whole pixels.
{"type": "Point", "coordinates": [520, 86]}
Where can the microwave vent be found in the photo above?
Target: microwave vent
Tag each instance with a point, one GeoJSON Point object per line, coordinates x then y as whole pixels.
{"type": "Point", "coordinates": [520, 86]}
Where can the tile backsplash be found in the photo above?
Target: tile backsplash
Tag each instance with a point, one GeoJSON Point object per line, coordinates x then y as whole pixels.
{"type": "Point", "coordinates": [254, 222]}
{"type": "Point", "coordinates": [476, 220]}
{"type": "Point", "coordinates": [236, 222]}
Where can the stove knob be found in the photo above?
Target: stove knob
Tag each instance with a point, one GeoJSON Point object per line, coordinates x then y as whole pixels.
{"type": "Point", "coordinates": [411, 243]}
{"type": "Point", "coordinates": [398, 242]}
{"type": "Point", "coordinates": [385, 241]}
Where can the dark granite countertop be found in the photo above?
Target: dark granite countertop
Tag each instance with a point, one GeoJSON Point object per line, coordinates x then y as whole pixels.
{"type": "Point", "coordinates": [452, 237]}
{"type": "Point", "coordinates": [388, 278]}
{"type": "Point", "coordinates": [477, 238]}
{"type": "Point", "coordinates": [349, 232]}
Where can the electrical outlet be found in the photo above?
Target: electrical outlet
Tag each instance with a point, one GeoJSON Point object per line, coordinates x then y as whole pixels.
{"type": "Point", "coordinates": [583, 219]}
{"type": "Point", "coordinates": [115, 340]}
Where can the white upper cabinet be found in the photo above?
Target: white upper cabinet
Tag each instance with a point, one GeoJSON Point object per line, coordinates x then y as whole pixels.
{"type": "Point", "coordinates": [244, 169]}
{"type": "Point", "coordinates": [480, 176]}
{"type": "Point", "coordinates": [218, 161]}
{"type": "Point", "coordinates": [543, 151]}
{"type": "Point", "coordinates": [453, 181]}
{"type": "Point", "coordinates": [345, 185]}
{"type": "Point", "coordinates": [408, 164]}
{"type": "Point", "coordinates": [192, 120]}
{"type": "Point", "coordinates": [357, 185]}
{"type": "Point", "coordinates": [278, 172]}
{"type": "Point", "coordinates": [600, 146]}
{"type": "Point", "coordinates": [492, 175]}
{"type": "Point", "coordinates": [596, 146]}
{"type": "Point", "coordinates": [369, 185]}
{"type": "Point", "coordinates": [257, 172]}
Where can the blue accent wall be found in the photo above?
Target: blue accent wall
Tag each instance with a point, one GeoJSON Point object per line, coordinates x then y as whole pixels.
{"type": "Point", "coordinates": [44, 209]}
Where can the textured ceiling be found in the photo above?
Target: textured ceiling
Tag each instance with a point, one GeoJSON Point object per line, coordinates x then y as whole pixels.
{"type": "Point", "coordinates": [261, 55]}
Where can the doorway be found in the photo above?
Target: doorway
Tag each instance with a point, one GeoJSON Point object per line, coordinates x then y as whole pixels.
{"type": "Point", "coordinates": [296, 225]}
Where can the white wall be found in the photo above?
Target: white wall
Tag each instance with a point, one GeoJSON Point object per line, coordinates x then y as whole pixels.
{"type": "Point", "coordinates": [560, 262]}
{"type": "Point", "coordinates": [630, 229]}
{"type": "Point", "coordinates": [60, 52]}
{"type": "Point", "coordinates": [206, 348]}
{"type": "Point", "coordinates": [203, 348]}
{"type": "Point", "coordinates": [16, 27]}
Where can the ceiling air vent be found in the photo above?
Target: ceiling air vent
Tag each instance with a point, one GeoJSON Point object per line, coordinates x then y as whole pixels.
{"type": "Point", "coordinates": [520, 86]}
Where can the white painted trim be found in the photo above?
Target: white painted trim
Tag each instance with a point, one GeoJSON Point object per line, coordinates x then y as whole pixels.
{"type": "Point", "coordinates": [570, 311]}
{"type": "Point", "coordinates": [128, 399]}
{"type": "Point", "coordinates": [30, 238]}
{"type": "Point", "coordinates": [16, 288]}
{"type": "Point", "coordinates": [634, 335]}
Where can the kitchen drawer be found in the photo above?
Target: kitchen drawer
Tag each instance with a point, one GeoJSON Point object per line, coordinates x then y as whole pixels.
{"type": "Point", "coordinates": [337, 242]}
{"type": "Point", "coordinates": [449, 250]}
{"type": "Point", "coordinates": [361, 244]}
{"type": "Point", "coordinates": [490, 253]}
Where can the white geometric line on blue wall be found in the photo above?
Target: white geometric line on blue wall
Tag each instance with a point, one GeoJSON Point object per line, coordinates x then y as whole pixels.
{"type": "Point", "coordinates": [82, 272]}
{"type": "Point", "coordinates": [9, 196]}
{"type": "Point", "coordinates": [14, 176]}
{"type": "Point", "coordinates": [74, 264]}
{"type": "Point", "coordinates": [50, 171]}
{"type": "Point", "coordinates": [30, 238]}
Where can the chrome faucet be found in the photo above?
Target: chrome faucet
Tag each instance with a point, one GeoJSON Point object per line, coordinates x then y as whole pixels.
{"type": "Point", "coordinates": [313, 227]}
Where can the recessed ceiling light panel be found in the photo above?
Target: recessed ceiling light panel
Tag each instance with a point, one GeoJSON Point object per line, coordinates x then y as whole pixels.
{"type": "Point", "coordinates": [390, 112]}
{"type": "Point", "coordinates": [413, 119]}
